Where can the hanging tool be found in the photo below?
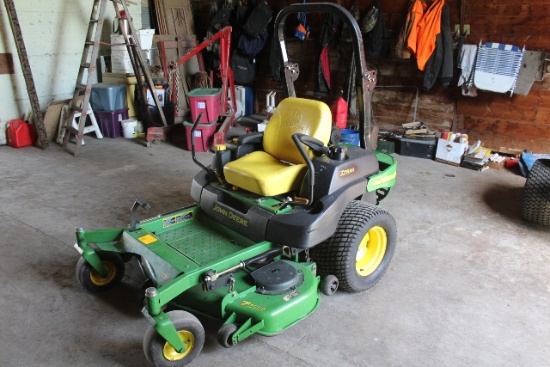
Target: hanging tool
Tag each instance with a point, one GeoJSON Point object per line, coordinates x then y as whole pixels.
{"type": "Point", "coordinates": [302, 30]}
{"type": "Point", "coordinates": [27, 74]}
{"type": "Point", "coordinates": [270, 102]}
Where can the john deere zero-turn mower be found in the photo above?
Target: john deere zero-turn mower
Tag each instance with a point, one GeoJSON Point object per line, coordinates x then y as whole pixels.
{"type": "Point", "coordinates": [280, 217]}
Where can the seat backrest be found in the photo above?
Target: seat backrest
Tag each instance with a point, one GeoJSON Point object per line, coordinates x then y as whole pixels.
{"type": "Point", "coordinates": [296, 115]}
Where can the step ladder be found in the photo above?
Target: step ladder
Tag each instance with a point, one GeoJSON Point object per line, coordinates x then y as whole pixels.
{"type": "Point", "coordinates": [80, 103]}
{"type": "Point", "coordinates": [63, 119]}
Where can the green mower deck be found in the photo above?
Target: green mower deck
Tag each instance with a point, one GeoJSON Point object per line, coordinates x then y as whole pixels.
{"type": "Point", "coordinates": [178, 250]}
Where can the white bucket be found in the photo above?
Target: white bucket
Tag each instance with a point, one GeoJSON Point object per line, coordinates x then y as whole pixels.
{"type": "Point", "coordinates": [129, 128]}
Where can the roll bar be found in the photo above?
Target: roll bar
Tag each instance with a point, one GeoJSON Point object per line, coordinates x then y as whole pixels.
{"type": "Point", "coordinates": [366, 79]}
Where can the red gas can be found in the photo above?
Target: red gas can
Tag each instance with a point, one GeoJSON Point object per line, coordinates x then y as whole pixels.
{"type": "Point", "coordinates": [19, 134]}
{"type": "Point", "coordinates": [339, 109]}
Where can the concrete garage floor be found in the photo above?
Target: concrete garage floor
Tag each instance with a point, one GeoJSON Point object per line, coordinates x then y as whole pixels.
{"type": "Point", "coordinates": [469, 284]}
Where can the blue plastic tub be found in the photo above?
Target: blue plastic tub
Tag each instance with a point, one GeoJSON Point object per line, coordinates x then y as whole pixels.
{"type": "Point", "coordinates": [350, 136]}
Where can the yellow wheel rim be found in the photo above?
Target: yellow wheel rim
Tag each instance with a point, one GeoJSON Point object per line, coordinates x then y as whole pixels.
{"type": "Point", "coordinates": [173, 355]}
{"type": "Point", "coordinates": [371, 251]}
{"type": "Point", "coordinates": [98, 280]}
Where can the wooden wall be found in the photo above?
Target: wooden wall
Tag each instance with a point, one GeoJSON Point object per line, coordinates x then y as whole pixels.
{"type": "Point", "coordinates": [498, 120]}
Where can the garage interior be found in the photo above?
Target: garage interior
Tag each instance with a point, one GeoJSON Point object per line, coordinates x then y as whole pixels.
{"type": "Point", "coordinates": [468, 283]}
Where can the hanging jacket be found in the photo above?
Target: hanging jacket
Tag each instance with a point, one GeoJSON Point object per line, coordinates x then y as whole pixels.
{"type": "Point", "coordinates": [428, 29]}
{"type": "Point", "coordinates": [328, 38]}
{"type": "Point", "coordinates": [416, 12]}
{"type": "Point", "coordinates": [439, 66]}
{"type": "Point", "coordinates": [377, 39]}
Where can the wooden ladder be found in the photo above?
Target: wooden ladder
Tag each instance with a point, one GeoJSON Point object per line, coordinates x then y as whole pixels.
{"type": "Point", "coordinates": [84, 80]}
{"type": "Point", "coordinates": [88, 66]}
{"type": "Point", "coordinates": [27, 74]}
{"type": "Point", "coordinates": [141, 68]}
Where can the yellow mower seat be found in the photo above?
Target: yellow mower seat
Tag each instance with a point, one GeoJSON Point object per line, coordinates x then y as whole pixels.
{"type": "Point", "coordinates": [280, 168]}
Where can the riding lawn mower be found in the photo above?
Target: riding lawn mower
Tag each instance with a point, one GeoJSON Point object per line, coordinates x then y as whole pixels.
{"type": "Point", "coordinates": [280, 218]}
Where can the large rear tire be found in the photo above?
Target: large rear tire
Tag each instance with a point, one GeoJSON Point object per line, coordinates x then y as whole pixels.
{"type": "Point", "coordinates": [361, 249]}
{"type": "Point", "coordinates": [535, 206]}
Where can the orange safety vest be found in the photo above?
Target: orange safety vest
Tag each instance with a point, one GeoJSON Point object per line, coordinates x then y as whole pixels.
{"type": "Point", "coordinates": [428, 29]}
{"type": "Point", "coordinates": [413, 17]}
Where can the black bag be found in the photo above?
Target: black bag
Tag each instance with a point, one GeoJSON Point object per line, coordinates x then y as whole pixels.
{"type": "Point", "coordinates": [244, 68]}
{"type": "Point", "coordinates": [258, 20]}
{"type": "Point", "coordinates": [378, 38]}
{"type": "Point", "coordinates": [241, 14]}
{"type": "Point", "coordinates": [252, 46]}
{"type": "Point", "coordinates": [222, 18]}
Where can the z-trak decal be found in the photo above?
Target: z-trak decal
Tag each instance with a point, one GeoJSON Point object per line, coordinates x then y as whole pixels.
{"type": "Point", "coordinates": [177, 219]}
{"type": "Point", "coordinates": [231, 215]}
{"type": "Point", "coordinates": [252, 306]}
{"type": "Point", "coordinates": [347, 171]}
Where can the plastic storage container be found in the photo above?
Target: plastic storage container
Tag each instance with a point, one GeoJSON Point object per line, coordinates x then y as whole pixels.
{"type": "Point", "coordinates": [350, 136]}
{"type": "Point", "coordinates": [108, 97]}
{"type": "Point", "coordinates": [204, 136]}
{"type": "Point", "coordinates": [207, 101]}
{"type": "Point", "coordinates": [110, 122]}
{"type": "Point", "coordinates": [19, 134]}
{"type": "Point", "coordinates": [418, 148]}
{"type": "Point", "coordinates": [386, 146]}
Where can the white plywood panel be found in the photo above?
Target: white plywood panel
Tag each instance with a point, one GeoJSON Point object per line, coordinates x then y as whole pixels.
{"type": "Point", "coordinates": [54, 32]}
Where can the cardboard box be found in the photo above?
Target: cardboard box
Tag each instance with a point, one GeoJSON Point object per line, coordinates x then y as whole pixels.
{"type": "Point", "coordinates": [51, 118]}
{"type": "Point", "coordinates": [113, 78]}
{"type": "Point", "coordinates": [146, 38]}
{"type": "Point", "coordinates": [160, 96]}
{"type": "Point", "coordinates": [450, 152]}
{"type": "Point", "coordinates": [121, 63]}
{"type": "Point", "coordinates": [496, 165]}
{"type": "Point", "coordinates": [118, 44]}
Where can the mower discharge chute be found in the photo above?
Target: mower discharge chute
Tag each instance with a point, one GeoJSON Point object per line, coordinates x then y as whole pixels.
{"type": "Point", "coordinates": [280, 217]}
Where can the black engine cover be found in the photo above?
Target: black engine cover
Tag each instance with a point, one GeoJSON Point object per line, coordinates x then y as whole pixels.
{"type": "Point", "coordinates": [277, 278]}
